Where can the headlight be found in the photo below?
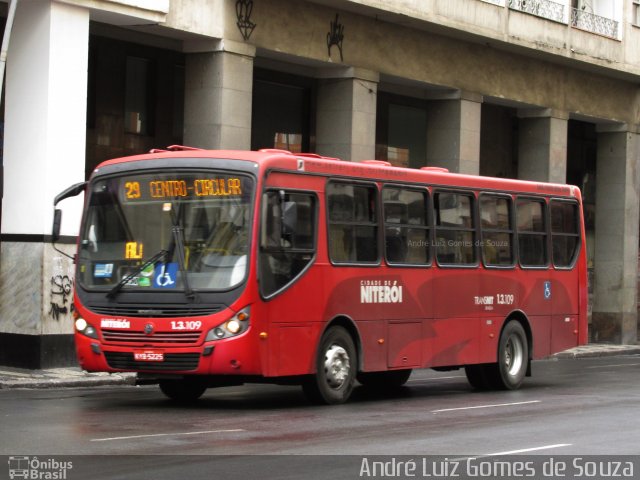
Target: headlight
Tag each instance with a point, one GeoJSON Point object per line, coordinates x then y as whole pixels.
{"type": "Point", "coordinates": [85, 329]}
{"type": "Point", "coordinates": [236, 325]}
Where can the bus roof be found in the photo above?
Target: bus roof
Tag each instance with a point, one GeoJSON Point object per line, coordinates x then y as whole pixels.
{"type": "Point", "coordinates": [274, 159]}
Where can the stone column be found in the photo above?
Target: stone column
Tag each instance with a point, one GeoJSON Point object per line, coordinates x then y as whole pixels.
{"type": "Point", "coordinates": [218, 94]}
{"type": "Point", "coordinates": [616, 237]}
{"type": "Point", "coordinates": [44, 152]}
{"type": "Point", "coordinates": [542, 149]}
{"type": "Point", "coordinates": [453, 132]}
{"type": "Point", "coordinates": [346, 115]}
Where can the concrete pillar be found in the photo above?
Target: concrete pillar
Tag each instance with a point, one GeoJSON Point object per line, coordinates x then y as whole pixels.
{"type": "Point", "coordinates": [542, 149]}
{"type": "Point", "coordinates": [218, 93]}
{"type": "Point", "coordinates": [453, 133]}
{"type": "Point", "coordinates": [616, 237]}
{"type": "Point", "coordinates": [44, 152]}
{"type": "Point", "coordinates": [346, 115]}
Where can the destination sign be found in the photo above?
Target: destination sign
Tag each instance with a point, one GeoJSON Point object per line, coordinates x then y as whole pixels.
{"type": "Point", "coordinates": [154, 188]}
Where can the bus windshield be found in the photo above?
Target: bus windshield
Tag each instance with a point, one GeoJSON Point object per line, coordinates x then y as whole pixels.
{"type": "Point", "coordinates": [177, 230]}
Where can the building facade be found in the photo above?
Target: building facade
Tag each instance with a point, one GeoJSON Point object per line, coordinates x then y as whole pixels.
{"type": "Point", "coordinates": [538, 89]}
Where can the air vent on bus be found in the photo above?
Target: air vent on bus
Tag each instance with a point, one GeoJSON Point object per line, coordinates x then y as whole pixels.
{"type": "Point", "coordinates": [174, 148]}
{"type": "Point", "coordinates": [380, 163]}
{"type": "Point", "coordinates": [435, 169]}
{"type": "Point", "coordinates": [316, 156]}
{"type": "Point", "coordinates": [275, 150]}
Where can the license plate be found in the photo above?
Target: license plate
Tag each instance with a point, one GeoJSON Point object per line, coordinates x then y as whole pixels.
{"type": "Point", "coordinates": [148, 356]}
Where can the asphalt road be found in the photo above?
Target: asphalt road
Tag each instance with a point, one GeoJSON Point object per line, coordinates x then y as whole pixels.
{"type": "Point", "coordinates": [568, 408]}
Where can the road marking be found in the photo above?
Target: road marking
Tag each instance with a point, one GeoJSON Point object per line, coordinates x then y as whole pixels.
{"type": "Point", "coordinates": [512, 452]}
{"type": "Point", "coordinates": [525, 450]}
{"type": "Point", "coordinates": [166, 435]}
{"type": "Point", "coordinates": [618, 365]}
{"type": "Point", "coordinates": [495, 405]}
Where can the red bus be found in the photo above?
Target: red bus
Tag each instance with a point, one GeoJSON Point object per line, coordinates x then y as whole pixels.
{"type": "Point", "coordinates": [214, 268]}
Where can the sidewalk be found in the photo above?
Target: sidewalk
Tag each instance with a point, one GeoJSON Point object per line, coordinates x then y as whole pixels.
{"type": "Point", "coordinates": [60, 378]}
{"type": "Point", "coordinates": [74, 377]}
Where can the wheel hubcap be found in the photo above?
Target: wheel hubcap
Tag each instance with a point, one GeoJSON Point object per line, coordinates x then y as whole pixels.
{"type": "Point", "coordinates": [514, 355]}
{"type": "Point", "coordinates": [336, 366]}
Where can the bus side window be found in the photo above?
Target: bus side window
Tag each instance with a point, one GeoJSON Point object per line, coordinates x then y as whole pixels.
{"type": "Point", "coordinates": [352, 223]}
{"type": "Point", "coordinates": [497, 230]}
{"type": "Point", "coordinates": [565, 234]}
{"type": "Point", "coordinates": [287, 238]}
{"type": "Point", "coordinates": [406, 226]}
{"type": "Point", "coordinates": [532, 232]}
{"type": "Point", "coordinates": [455, 229]}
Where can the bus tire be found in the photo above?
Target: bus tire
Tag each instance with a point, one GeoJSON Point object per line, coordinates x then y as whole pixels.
{"type": "Point", "coordinates": [384, 380]}
{"type": "Point", "coordinates": [336, 367]}
{"type": "Point", "coordinates": [477, 376]}
{"type": "Point", "coordinates": [513, 358]}
{"type": "Point", "coordinates": [185, 390]}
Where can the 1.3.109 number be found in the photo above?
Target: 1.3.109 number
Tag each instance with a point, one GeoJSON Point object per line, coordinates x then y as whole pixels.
{"type": "Point", "coordinates": [188, 325]}
{"type": "Point", "coordinates": [505, 299]}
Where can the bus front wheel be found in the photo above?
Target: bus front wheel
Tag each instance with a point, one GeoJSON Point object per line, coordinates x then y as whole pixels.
{"type": "Point", "coordinates": [185, 390]}
{"type": "Point", "coordinates": [336, 367]}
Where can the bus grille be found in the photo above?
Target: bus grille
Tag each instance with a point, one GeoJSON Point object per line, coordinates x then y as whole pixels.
{"type": "Point", "coordinates": [172, 362]}
{"type": "Point", "coordinates": [137, 337]}
{"type": "Point", "coordinates": [166, 311]}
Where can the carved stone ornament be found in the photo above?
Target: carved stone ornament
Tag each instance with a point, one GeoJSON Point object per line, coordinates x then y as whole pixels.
{"type": "Point", "coordinates": [243, 13]}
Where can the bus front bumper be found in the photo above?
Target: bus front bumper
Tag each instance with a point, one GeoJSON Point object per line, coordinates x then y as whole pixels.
{"type": "Point", "coordinates": [233, 356]}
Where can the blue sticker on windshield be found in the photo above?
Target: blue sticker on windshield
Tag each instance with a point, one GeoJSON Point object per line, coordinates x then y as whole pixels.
{"type": "Point", "coordinates": [103, 270]}
{"type": "Point", "coordinates": [165, 275]}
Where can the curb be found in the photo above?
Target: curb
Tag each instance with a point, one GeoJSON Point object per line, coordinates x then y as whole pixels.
{"type": "Point", "coordinates": [87, 380]}
{"type": "Point", "coordinates": [598, 350]}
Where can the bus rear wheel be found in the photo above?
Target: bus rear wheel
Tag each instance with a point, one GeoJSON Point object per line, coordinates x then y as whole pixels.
{"type": "Point", "coordinates": [513, 359]}
{"type": "Point", "coordinates": [185, 390]}
{"type": "Point", "coordinates": [336, 367]}
{"type": "Point", "coordinates": [477, 375]}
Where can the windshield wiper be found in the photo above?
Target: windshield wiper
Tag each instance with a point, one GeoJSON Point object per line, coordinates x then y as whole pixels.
{"type": "Point", "coordinates": [127, 278]}
{"type": "Point", "coordinates": [178, 241]}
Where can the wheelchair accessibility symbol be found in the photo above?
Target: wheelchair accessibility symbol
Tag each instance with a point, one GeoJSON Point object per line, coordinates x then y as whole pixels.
{"type": "Point", "coordinates": [547, 290]}
{"type": "Point", "coordinates": [165, 275]}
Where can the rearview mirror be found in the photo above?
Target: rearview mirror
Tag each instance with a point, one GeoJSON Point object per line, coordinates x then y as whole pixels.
{"type": "Point", "coordinates": [57, 221]}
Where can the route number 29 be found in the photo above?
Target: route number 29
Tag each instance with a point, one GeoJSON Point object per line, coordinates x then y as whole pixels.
{"type": "Point", "coordinates": [132, 189]}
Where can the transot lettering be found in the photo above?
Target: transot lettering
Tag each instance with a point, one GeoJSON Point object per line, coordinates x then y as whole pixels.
{"type": "Point", "coordinates": [380, 294]}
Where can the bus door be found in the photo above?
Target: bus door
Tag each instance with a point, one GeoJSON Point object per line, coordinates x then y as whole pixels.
{"type": "Point", "coordinates": [290, 284]}
{"type": "Point", "coordinates": [565, 242]}
{"type": "Point", "coordinates": [535, 272]}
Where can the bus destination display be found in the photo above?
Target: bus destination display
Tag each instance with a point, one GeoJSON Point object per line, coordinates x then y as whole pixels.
{"type": "Point", "coordinates": [154, 188]}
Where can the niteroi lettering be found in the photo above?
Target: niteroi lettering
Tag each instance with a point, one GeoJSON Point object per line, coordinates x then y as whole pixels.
{"type": "Point", "coordinates": [380, 292]}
